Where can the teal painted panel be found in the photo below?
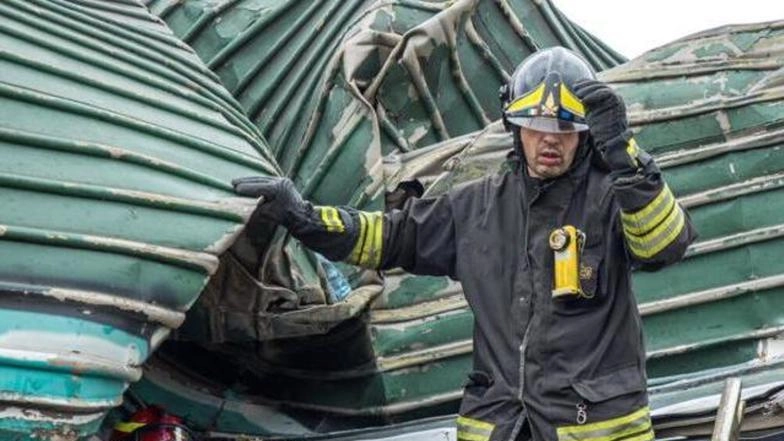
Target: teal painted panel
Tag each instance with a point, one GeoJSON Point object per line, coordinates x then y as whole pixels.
{"type": "Point", "coordinates": [673, 134]}
{"type": "Point", "coordinates": [446, 375]}
{"type": "Point", "coordinates": [751, 212]}
{"type": "Point", "coordinates": [136, 173]}
{"type": "Point", "coordinates": [723, 170]}
{"type": "Point", "coordinates": [55, 212]}
{"type": "Point", "coordinates": [737, 265]}
{"type": "Point", "coordinates": [122, 275]}
{"type": "Point", "coordinates": [405, 290]}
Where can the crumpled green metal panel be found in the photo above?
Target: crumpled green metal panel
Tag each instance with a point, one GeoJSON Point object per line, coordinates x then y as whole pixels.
{"type": "Point", "coordinates": [335, 85]}
{"type": "Point", "coordinates": [117, 147]}
{"type": "Point", "coordinates": [331, 112]}
{"type": "Point", "coordinates": [323, 81]}
{"type": "Point", "coordinates": [714, 315]}
{"type": "Point", "coordinates": [720, 149]}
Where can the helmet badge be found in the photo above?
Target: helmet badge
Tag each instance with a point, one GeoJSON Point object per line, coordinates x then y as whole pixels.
{"type": "Point", "coordinates": [548, 107]}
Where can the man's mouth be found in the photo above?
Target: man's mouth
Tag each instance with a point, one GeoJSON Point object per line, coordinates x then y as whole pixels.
{"type": "Point", "coordinates": [550, 158]}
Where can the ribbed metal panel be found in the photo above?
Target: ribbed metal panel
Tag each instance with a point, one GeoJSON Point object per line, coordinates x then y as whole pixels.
{"type": "Point", "coordinates": [336, 85]}
{"type": "Point", "coordinates": [709, 108]}
{"type": "Point", "coordinates": [117, 147]}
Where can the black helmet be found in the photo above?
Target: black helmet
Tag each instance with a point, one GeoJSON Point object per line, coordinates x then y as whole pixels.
{"type": "Point", "coordinates": [539, 94]}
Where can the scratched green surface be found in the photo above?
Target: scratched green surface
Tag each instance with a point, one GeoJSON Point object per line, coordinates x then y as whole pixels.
{"type": "Point", "coordinates": [708, 107]}
{"type": "Point", "coordinates": [117, 148]}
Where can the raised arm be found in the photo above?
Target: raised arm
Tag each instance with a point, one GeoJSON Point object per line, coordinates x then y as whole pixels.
{"type": "Point", "coordinates": [655, 227]}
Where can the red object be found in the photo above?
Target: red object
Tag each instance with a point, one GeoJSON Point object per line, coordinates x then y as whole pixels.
{"type": "Point", "coordinates": [144, 423]}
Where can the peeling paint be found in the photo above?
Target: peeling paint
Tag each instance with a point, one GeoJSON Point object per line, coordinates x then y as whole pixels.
{"type": "Point", "coordinates": [696, 63]}
{"type": "Point", "coordinates": [46, 345]}
{"type": "Point", "coordinates": [139, 124]}
{"type": "Point", "coordinates": [724, 121]}
{"type": "Point", "coordinates": [418, 133]}
{"type": "Point", "coordinates": [154, 313]}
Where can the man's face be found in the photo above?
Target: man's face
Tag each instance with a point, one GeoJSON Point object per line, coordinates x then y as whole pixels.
{"type": "Point", "coordinates": [548, 155]}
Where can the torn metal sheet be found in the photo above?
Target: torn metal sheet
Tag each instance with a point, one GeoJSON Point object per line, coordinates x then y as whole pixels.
{"type": "Point", "coordinates": [416, 97]}
{"type": "Point", "coordinates": [117, 150]}
{"type": "Point", "coordinates": [337, 85]}
{"type": "Point", "coordinates": [324, 83]}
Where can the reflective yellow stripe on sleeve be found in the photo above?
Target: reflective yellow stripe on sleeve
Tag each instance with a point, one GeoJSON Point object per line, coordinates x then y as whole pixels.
{"type": "Point", "coordinates": [470, 429]}
{"type": "Point", "coordinates": [635, 426]}
{"type": "Point", "coordinates": [378, 240]}
{"type": "Point", "coordinates": [665, 233]}
{"type": "Point", "coordinates": [331, 219]}
{"type": "Point", "coordinates": [650, 216]}
{"type": "Point", "coordinates": [367, 249]}
{"type": "Point", "coordinates": [356, 252]}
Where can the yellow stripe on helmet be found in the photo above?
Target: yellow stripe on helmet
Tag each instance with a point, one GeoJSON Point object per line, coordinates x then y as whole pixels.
{"type": "Point", "coordinates": [528, 100]}
{"type": "Point", "coordinates": [571, 103]}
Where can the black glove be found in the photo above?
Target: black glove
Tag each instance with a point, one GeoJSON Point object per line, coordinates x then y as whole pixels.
{"type": "Point", "coordinates": [281, 204]}
{"type": "Point", "coordinates": [330, 231]}
{"type": "Point", "coordinates": [606, 118]}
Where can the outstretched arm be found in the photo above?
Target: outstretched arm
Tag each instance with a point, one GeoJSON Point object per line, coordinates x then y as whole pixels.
{"type": "Point", "coordinates": [419, 237]}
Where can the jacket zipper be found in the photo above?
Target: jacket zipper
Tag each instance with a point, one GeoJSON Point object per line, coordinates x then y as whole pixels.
{"type": "Point", "coordinates": [524, 344]}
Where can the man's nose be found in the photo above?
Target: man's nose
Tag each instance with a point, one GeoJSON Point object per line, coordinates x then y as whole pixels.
{"type": "Point", "coordinates": [550, 138]}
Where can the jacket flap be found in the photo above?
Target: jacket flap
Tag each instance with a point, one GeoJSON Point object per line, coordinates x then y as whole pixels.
{"type": "Point", "coordinates": [615, 384]}
{"type": "Point", "coordinates": [589, 273]}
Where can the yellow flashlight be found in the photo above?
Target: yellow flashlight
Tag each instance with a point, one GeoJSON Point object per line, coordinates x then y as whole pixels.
{"type": "Point", "coordinates": [567, 245]}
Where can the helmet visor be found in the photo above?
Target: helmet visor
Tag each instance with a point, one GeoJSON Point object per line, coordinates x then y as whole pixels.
{"type": "Point", "coordinates": [547, 124]}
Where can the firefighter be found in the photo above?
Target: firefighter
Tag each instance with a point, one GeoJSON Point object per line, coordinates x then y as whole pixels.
{"type": "Point", "coordinates": [544, 251]}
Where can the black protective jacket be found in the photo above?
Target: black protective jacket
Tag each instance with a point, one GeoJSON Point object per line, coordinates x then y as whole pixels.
{"type": "Point", "coordinates": [575, 370]}
{"type": "Point", "coordinates": [558, 370]}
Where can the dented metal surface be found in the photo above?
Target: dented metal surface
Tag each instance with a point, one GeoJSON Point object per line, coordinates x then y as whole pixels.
{"type": "Point", "coordinates": [330, 82]}
{"type": "Point", "coordinates": [708, 106]}
{"type": "Point", "coordinates": [117, 149]}
{"type": "Point", "coordinates": [337, 87]}
{"type": "Point", "coordinates": [341, 89]}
